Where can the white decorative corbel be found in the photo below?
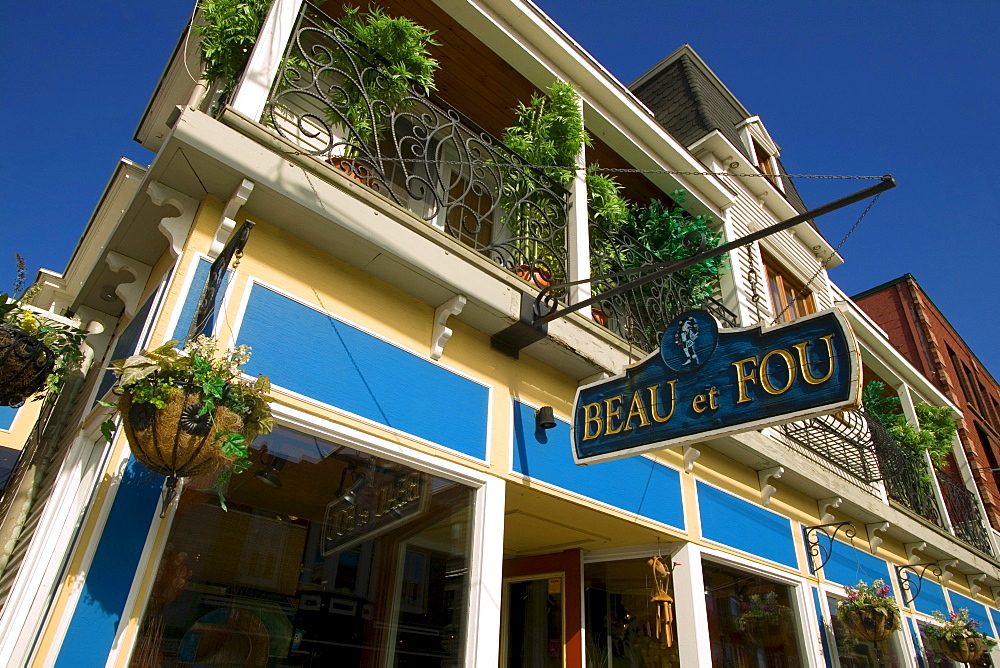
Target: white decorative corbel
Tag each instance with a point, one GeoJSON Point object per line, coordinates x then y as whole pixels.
{"type": "Point", "coordinates": [912, 549]}
{"type": "Point", "coordinates": [100, 326]}
{"type": "Point", "coordinates": [228, 220]}
{"type": "Point", "coordinates": [996, 594]}
{"type": "Point", "coordinates": [690, 455]}
{"type": "Point", "coordinates": [174, 228]}
{"type": "Point", "coordinates": [826, 517]}
{"type": "Point", "coordinates": [944, 565]}
{"type": "Point", "coordinates": [975, 582]}
{"type": "Point", "coordinates": [129, 291]}
{"type": "Point", "coordinates": [874, 541]}
{"type": "Point", "coordinates": [442, 332]}
{"type": "Point", "coordinates": [767, 490]}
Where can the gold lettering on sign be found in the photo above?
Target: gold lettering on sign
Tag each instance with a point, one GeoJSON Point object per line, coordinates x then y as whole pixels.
{"type": "Point", "coordinates": [765, 375]}
{"type": "Point", "coordinates": [743, 377]}
{"type": "Point", "coordinates": [636, 410]}
{"type": "Point", "coordinates": [592, 419]}
{"type": "Point", "coordinates": [698, 403]}
{"type": "Point", "coordinates": [612, 409]}
{"type": "Point", "coordinates": [654, 401]}
{"type": "Point", "coordinates": [804, 361]}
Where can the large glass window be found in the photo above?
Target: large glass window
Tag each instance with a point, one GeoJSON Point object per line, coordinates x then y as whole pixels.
{"type": "Point", "coordinates": [752, 620]}
{"type": "Point", "coordinates": [327, 556]}
{"type": "Point", "coordinates": [630, 614]}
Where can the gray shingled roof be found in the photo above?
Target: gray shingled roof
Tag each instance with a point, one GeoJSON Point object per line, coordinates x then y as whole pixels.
{"type": "Point", "coordinates": [689, 101]}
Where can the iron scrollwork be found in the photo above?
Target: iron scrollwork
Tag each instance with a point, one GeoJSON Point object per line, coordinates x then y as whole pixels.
{"type": "Point", "coordinates": [334, 103]}
{"type": "Point", "coordinates": [816, 547]}
{"type": "Point", "coordinates": [907, 590]}
{"type": "Point", "coordinates": [202, 320]}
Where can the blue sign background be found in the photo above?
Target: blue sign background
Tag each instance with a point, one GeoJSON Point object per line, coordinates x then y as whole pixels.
{"type": "Point", "coordinates": [706, 401]}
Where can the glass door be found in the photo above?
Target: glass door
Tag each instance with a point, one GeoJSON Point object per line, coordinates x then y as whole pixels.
{"type": "Point", "coordinates": [534, 622]}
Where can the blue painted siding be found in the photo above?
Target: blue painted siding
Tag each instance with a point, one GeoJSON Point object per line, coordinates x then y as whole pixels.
{"type": "Point", "coordinates": [734, 522]}
{"type": "Point", "coordinates": [127, 344]}
{"type": "Point", "coordinates": [977, 611]}
{"type": "Point", "coordinates": [931, 597]}
{"type": "Point", "coordinates": [194, 296]}
{"type": "Point", "coordinates": [95, 620]}
{"type": "Point", "coordinates": [633, 484]}
{"type": "Point", "coordinates": [822, 628]}
{"type": "Point", "coordinates": [848, 565]}
{"type": "Point", "coordinates": [7, 417]}
{"type": "Point", "coordinates": [317, 356]}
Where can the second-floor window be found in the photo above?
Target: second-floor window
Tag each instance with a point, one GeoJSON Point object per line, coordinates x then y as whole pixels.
{"type": "Point", "coordinates": [789, 297]}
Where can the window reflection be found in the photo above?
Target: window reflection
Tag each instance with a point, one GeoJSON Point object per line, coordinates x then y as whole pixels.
{"type": "Point", "coordinates": [752, 620]}
{"type": "Point", "coordinates": [856, 653]}
{"type": "Point", "coordinates": [352, 560]}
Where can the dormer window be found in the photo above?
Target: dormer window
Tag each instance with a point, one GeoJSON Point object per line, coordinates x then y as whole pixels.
{"type": "Point", "coordinates": [766, 162]}
{"type": "Point", "coordinates": [790, 298]}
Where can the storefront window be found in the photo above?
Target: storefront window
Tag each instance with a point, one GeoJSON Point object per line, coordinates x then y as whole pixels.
{"type": "Point", "coordinates": [327, 557]}
{"type": "Point", "coordinates": [752, 620]}
{"type": "Point", "coordinates": [933, 658]}
{"type": "Point", "coordinates": [856, 653]}
{"type": "Point", "coordinates": [630, 614]}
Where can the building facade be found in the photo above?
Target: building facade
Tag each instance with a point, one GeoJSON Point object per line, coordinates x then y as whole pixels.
{"type": "Point", "coordinates": [428, 513]}
{"type": "Point", "coordinates": [928, 341]}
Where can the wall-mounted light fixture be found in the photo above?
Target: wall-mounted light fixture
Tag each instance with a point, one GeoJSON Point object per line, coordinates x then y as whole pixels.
{"type": "Point", "coordinates": [350, 497]}
{"type": "Point", "coordinates": [272, 467]}
{"type": "Point", "coordinates": [545, 418]}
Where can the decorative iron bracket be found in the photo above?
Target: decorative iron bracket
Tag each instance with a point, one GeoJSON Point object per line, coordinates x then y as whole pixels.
{"type": "Point", "coordinates": [906, 584]}
{"type": "Point", "coordinates": [817, 548]}
{"type": "Point", "coordinates": [206, 305]}
{"type": "Point", "coordinates": [531, 326]}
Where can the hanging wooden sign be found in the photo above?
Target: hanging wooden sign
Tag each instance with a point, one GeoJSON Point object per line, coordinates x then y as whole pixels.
{"type": "Point", "coordinates": [704, 383]}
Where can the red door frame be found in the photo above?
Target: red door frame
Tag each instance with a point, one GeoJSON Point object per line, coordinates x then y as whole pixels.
{"type": "Point", "coordinates": [569, 563]}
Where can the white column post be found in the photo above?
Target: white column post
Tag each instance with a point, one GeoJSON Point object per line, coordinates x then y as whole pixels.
{"type": "Point", "coordinates": [578, 232]}
{"type": "Point", "coordinates": [692, 620]}
{"type": "Point", "coordinates": [483, 648]}
{"type": "Point", "coordinates": [265, 60]}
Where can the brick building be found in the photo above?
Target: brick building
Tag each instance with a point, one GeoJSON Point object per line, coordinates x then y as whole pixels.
{"type": "Point", "coordinates": [925, 337]}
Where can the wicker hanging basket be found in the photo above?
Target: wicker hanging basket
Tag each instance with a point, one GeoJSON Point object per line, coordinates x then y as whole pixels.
{"type": "Point", "coordinates": [870, 624]}
{"type": "Point", "coordinates": [763, 633]}
{"type": "Point", "coordinates": [963, 651]}
{"type": "Point", "coordinates": [25, 363]}
{"type": "Point", "coordinates": [175, 441]}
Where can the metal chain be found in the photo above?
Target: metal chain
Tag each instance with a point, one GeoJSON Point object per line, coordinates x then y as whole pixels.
{"type": "Point", "coordinates": [822, 267]}
{"type": "Point", "coordinates": [613, 170]}
{"type": "Point", "coordinates": [754, 277]}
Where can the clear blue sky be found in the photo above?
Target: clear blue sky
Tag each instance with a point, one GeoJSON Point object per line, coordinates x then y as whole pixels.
{"type": "Point", "coordinates": [843, 87]}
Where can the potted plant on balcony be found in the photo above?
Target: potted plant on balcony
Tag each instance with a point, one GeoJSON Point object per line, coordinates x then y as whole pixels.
{"type": "Point", "coordinates": [228, 34]}
{"type": "Point", "coordinates": [934, 435]}
{"type": "Point", "coordinates": [548, 133]}
{"type": "Point", "coordinates": [189, 411]}
{"type": "Point", "coordinates": [869, 612]}
{"type": "Point", "coordinates": [763, 619]}
{"type": "Point", "coordinates": [35, 351]}
{"type": "Point", "coordinates": [958, 637]}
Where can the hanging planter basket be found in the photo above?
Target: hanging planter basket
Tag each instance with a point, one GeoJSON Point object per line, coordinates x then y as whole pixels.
{"type": "Point", "coordinates": [966, 650]}
{"type": "Point", "coordinates": [25, 363]}
{"type": "Point", "coordinates": [175, 441]}
{"type": "Point", "coordinates": [763, 633]}
{"type": "Point", "coordinates": [870, 624]}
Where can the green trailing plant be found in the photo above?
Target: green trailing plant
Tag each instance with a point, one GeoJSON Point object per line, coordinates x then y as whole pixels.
{"type": "Point", "coordinates": [764, 608]}
{"type": "Point", "coordinates": [662, 229]}
{"type": "Point", "coordinates": [228, 34]}
{"type": "Point", "coordinates": [549, 134]}
{"type": "Point", "coordinates": [934, 435]}
{"type": "Point", "coordinates": [400, 48]}
{"type": "Point", "coordinates": [956, 629]}
{"type": "Point", "coordinates": [213, 377]}
{"type": "Point", "coordinates": [62, 340]}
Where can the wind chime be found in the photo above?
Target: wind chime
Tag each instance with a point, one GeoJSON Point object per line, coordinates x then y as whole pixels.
{"type": "Point", "coordinates": [661, 626]}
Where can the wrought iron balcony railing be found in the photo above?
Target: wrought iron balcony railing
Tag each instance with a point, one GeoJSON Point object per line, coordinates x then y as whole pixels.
{"type": "Point", "coordinates": [906, 478]}
{"type": "Point", "coordinates": [843, 440]}
{"type": "Point", "coordinates": [417, 151]}
{"type": "Point", "coordinates": [963, 511]}
{"type": "Point", "coordinates": [640, 315]}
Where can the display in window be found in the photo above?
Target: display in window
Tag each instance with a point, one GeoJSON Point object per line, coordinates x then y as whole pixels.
{"type": "Point", "coordinates": [272, 583]}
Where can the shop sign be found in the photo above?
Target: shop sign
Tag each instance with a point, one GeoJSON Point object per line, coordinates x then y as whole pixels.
{"type": "Point", "coordinates": [704, 383]}
{"type": "Point", "coordinates": [387, 502]}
